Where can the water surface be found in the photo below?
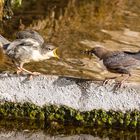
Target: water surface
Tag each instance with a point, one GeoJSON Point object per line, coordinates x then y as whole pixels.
{"type": "Point", "coordinates": [74, 26]}
{"type": "Point", "coordinates": [32, 130]}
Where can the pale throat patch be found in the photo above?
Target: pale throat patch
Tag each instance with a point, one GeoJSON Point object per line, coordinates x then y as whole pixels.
{"type": "Point", "coordinates": [36, 56]}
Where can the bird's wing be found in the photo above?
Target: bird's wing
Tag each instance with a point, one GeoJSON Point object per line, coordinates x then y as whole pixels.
{"type": "Point", "coordinates": [135, 55]}
{"type": "Point", "coordinates": [120, 60]}
{"type": "Point", "coordinates": [22, 44]}
{"type": "Point", "coordinates": [127, 52]}
{"type": "Point", "coordinates": [3, 40]}
{"type": "Point", "coordinates": [30, 34]}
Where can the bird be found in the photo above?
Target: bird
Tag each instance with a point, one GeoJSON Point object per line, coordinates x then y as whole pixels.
{"type": "Point", "coordinates": [28, 33]}
{"type": "Point", "coordinates": [121, 62]}
{"type": "Point", "coordinates": [29, 46]}
{"type": "Point", "coordinates": [135, 55]}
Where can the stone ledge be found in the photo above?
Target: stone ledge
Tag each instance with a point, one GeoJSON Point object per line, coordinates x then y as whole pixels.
{"type": "Point", "coordinates": [76, 93]}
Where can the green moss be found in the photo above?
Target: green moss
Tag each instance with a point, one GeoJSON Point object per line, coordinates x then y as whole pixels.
{"type": "Point", "coordinates": [79, 117]}
{"type": "Point", "coordinates": [67, 115]}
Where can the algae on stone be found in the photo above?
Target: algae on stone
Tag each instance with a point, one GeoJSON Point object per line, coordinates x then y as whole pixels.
{"type": "Point", "coordinates": [66, 115]}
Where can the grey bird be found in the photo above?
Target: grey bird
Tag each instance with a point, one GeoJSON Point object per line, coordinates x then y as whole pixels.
{"type": "Point", "coordinates": [28, 33]}
{"type": "Point", "coordinates": [121, 62]}
{"type": "Point", "coordinates": [29, 46]}
{"type": "Point", "coordinates": [135, 55]}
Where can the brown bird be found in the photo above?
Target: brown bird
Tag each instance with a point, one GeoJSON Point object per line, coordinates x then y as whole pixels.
{"type": "Point", "coordinates": [117, 61]}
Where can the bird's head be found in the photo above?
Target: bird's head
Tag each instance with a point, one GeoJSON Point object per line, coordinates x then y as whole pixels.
{"type": "Point", "coordinates": [100, 52]}
{"type": "Point", "coordinates": [49, 51]}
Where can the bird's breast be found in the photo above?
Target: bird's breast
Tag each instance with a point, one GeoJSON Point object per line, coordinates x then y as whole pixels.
{"type": "Point", "coordinates": [36, 56]}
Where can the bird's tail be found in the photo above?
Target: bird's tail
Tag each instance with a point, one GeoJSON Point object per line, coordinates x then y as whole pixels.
{"type": "Point", "coordinates": [135, 55]}
{"type": "Point", "coordinates": [3, 40]}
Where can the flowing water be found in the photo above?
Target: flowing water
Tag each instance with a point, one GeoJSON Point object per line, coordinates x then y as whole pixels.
{"type": "Point", "coordinates": [27, 130]}
{"type": "Point", "coordinates": [74, 26]}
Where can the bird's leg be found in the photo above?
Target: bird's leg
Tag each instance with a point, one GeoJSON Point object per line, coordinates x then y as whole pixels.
{"type": "Point", "coordinates": [107, 79]}
{"type": "Point", "coordinates": [21, 69]}
{"type": "Point", "coordinates": [29, 72]}
{"type": "Point", "coordinates": [119, 84]}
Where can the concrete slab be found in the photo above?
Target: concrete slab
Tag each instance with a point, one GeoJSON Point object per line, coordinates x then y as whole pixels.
{"type": "Point", "coordinates": [79, 94]}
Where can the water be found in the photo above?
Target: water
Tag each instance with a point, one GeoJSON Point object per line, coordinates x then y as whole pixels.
{"type": "Point", "coordinates": [74, 26]}
{"type": "Point", "coordinates": [22, 130]}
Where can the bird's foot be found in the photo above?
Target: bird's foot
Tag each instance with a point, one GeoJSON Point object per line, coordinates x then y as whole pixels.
{"type": "Point", "coordinates": [33, 74]}
{"type": "Point", "coordinates": [107, 80]}
{"type": "Point", "coordinates": [19, 70]}
{"type": "Point", "coordinates": [118, 85]}
{"type": "Point", "coordinates": [36, 73]}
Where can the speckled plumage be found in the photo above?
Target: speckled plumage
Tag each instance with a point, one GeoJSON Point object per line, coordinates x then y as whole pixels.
{"type": "Point", "coordinates": [30, 34]}
{"type": "Point", "coordinates": [21, 50]}
{"type": "Point", "coordinates": [29, 46]}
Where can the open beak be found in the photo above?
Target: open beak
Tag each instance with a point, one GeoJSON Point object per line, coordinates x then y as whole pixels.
{"type": "Point", "coordinates": [55, 54]}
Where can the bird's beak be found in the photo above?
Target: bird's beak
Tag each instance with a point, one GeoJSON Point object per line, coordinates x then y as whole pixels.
{"type": "Point", "coordinates": [55, 53]}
